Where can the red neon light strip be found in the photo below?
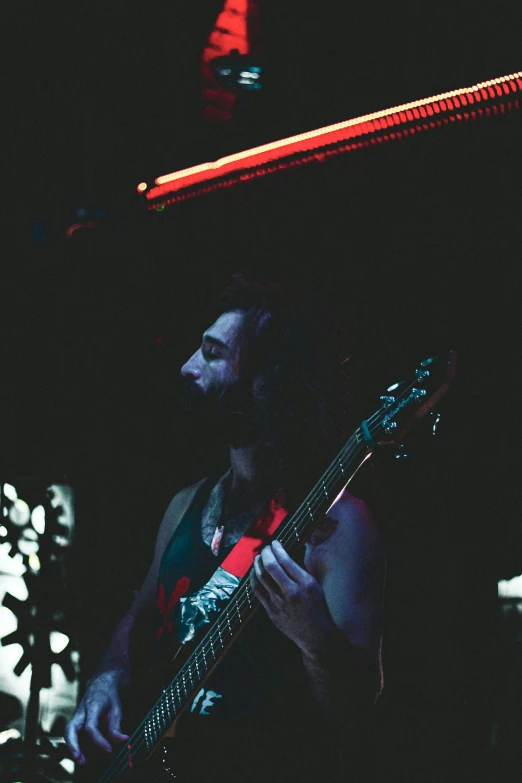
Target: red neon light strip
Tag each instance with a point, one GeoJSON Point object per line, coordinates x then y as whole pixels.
{"type": "Point", "coordinates": [457, 105]}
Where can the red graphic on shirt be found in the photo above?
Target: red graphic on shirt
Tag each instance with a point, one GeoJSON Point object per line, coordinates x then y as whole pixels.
{"type": "Point", "coordinates": [166, 607]}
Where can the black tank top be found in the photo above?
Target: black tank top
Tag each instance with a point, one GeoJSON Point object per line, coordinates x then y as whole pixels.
{"type": "Point", "coordinates": [257, 704]}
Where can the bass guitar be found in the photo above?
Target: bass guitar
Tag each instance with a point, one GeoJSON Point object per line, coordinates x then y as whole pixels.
{"type": "Point", "coordinates": [402, 407]}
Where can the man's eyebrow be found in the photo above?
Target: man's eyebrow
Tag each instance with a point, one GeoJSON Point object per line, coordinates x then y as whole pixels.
{"type": "Point", "coordinates": [208, 338]}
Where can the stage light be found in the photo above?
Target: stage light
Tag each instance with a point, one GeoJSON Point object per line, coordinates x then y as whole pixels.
{"type": "Point", "coordinates": [38, 519]}
{"type": "Point", "coordinates": [19, 513]}
{"type": "Point", "coordinates": [142, 187]}
{"type": "Point", "coordinates": [236, 72]}
{"type": "Point", "coordinates": [281, 154]}
{"type": "Point", "coordinates": [10, 492]}
{"type": "Point", "coordinates": [510, 588]}
{"type": "Point", "coordinates": [3, 530]}
{"type": "Point", "coordinates": [9, 734]}
{"type": "Point", "coordinates": [58, 641]}
{"type": "Point", "coordinates": [60, 541]}
{"type": "Point", "coordinates": [11, 566]}
{"type": "Point", "coordinates": [75, 226]}
{"type": "Point", "coordinates": [68, 765]}
{"type": "Point", "coordinates": [28, 542]}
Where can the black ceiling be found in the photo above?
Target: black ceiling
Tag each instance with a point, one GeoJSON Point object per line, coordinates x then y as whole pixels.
{"type": "Point", "coordinates": [102, 95]}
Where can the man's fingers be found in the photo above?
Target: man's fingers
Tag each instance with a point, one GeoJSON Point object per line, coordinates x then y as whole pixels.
{"type": "Point", "coordinates": [275, 570]}
{"type": "Point", "coordinates": [265, 578]}
{"type": "Point", "coordinates": [258, 589]}
{"type": "Point", "coordinates": [117, 735]}
{"type": "Point", "coordinates": [114, 725]}
{"type": "Point", "coordinates": [71, 738]}
{"type": "Point", "coordinates": [95, 734]}
{"type": "Point", "coordinates": [291, 568]}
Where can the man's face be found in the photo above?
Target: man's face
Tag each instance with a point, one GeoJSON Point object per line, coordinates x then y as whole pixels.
{"type": "Point", "coordinates": [214, 366]}
{"type": "Point", "coordinates": [214, 398]}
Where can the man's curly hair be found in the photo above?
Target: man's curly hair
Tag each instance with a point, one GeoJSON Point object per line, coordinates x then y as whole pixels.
{"type": "Point", "coordinates": [291, 353]}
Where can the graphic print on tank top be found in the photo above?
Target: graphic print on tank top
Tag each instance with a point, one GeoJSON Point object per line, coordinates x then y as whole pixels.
{"type": "Point", "coordinates": [259, 693]}
{"type": "Point", "coordinates": [247, 676]}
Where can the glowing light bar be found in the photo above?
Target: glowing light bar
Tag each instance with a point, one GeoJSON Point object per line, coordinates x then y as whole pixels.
{"type": "Point", "coordinates": [465, 104]}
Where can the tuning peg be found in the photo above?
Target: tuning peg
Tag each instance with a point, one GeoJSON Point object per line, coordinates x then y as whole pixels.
{"type": "Point", "coordinates": [387, 400]}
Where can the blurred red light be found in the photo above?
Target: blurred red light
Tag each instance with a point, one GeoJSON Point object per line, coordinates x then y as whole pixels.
{"type": "Point", "coordinates": [206, 177]}
{"type": "Point", "coordinates": [142, 187]}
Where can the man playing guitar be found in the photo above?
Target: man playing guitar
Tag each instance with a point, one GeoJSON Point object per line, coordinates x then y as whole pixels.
{"type": "Point", "coordinates": [308, 668]}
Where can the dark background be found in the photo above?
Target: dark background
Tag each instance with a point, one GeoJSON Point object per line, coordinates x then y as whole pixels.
{"type": "Point", "coordinates": [417, 246]}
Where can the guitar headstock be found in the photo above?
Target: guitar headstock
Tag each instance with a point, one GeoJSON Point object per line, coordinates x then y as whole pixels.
{"type": "Point", "coordinates": [405, 404]}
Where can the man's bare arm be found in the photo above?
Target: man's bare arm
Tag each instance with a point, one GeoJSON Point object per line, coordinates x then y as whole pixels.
{"type": "Point", "coordinates": [100, 702]}
{"type": "Point", "coordinates": [332, 608]}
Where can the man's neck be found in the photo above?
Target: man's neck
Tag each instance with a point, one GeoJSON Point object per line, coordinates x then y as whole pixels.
{"type": "Point", "coordinates": [253, 469]}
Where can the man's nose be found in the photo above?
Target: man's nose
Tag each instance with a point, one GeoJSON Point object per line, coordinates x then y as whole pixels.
{"type": "Point", "coordinates": [191, 368]}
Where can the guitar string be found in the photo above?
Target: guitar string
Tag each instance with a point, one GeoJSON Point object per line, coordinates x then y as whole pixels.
{"type": "Point", "coordinates": [348, 450]}
{"type": "Point", "coordinates": [319, 490]}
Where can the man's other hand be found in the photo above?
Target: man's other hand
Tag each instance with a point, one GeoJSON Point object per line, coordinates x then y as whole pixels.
{"type": "Point", "coordinates": [293, 598]}
{"type": "Point", "coordinates": [99, 708]}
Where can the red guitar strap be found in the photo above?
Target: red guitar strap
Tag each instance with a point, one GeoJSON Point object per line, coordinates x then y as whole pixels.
{"type": "Point", "coordinates": [239, 560]}
{"type": "Point", "coordinates": [198, 609]}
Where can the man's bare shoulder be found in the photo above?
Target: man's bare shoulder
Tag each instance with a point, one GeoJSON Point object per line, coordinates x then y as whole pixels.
{"type": "Point", "coordinates": [184, 497]}
{"type": "Point", "coordinates": [348, 534]}
{"type": "Point", "coordinates": [176, 509]}
{"type": "Point", "coordinates": [349, 520]}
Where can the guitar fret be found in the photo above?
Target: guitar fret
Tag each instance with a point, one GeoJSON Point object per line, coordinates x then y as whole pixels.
{"type": "Point", "coordinates": [155, 725]}
{"type": "Point", "coordinates": [148, 737]}
{"type": "Point", "coordinates": [163, 718]}
{"type": "Point", "coordinates": [238, 609]}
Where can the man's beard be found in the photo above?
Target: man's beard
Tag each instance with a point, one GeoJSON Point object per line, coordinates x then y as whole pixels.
{"type": "Point", "coordinates": [226, 414]}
